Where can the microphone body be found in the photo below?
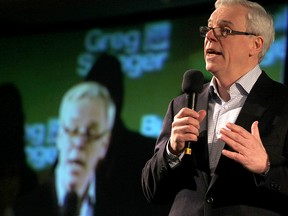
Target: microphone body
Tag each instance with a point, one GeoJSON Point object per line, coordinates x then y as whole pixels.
{"type": "Point", "coordinates": [191, 100]}
{"type": "Point", "coordinates": [192, 85]}
{"type": "Point", "coordinates": [190, 103]}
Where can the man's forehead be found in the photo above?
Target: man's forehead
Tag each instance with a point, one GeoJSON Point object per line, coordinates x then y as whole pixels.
{"type": "Point", "coordinates": [228, 15]}
{"type": "Point", "coordinates": [221, 22]}
{"type": "Point", "coordinates": [83, 104]}
{"type": "Point", "coordinates": [88, 111]}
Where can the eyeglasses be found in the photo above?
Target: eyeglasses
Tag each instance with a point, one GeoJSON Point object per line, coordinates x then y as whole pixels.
{"type": "Point", "coordinates": [89, 134]}
{"type": "Point", "coordinates": [221, 31]}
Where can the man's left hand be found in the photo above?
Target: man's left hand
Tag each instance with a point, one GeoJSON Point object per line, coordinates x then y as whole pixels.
{"type": "Point", "coordinates": [248, 147]}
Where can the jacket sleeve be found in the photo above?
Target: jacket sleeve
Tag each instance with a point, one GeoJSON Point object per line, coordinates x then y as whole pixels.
{"type": "Point", "coordinates": [157, 176]}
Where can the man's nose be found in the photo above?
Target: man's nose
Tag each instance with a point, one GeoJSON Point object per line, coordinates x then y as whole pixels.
{"type": "Point", "coordinates": [211, 36]}
{"type": "Point", "coordinates": [80, 141]}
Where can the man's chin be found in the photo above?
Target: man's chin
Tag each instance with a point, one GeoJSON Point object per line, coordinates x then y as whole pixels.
{"type": "Point", "coordinates": [212, 68]}
{"type": "Point", "coordinates": [209, 69]}
{"type": "Point", "coordinates": [73, 183]}
{"type": "Point", "coordinates": [73, 176]}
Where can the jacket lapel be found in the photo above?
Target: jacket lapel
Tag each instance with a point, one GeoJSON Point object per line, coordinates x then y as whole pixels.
{"type": "Point", "coordinates": [255, 105]}
{"type": "Point", "coordinates": [202, 150]}
{"type": "Point", "coordinates": [257, 102]}
{"type": "Point", "coordinates": [202, 104]}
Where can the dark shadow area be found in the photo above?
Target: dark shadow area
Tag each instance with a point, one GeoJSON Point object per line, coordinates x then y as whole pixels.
{"type": "Point", "coordinates": [120, 174]}
{"type": "Point", "coordinates": [16, 177]}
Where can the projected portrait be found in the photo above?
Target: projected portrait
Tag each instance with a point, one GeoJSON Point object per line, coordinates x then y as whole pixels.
{"type": "Point", "coordinates": [86, 118]}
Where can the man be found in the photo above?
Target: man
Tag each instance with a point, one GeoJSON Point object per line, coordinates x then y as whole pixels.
{"type": "Point", "coordinates": [239, 160]}
{"type": "Point", "coordinates": [86, 118]}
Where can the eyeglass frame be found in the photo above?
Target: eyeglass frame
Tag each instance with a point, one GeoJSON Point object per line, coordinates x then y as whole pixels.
{"type": "Point", "coordinates": [89, 136]}
{"type": "Point", "coordinates": [228, 30]}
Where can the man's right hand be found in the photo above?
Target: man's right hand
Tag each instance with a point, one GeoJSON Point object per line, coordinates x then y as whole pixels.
{"type": "Point", "coordinates": [185, 127]}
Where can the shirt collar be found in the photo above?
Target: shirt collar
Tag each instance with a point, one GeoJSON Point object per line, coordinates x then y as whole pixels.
{"type": "Point", "coordinates": [249, 79]}
{"type": "Point", "coordinates": [61, 192]}
{"type": "Point", "coordinates": [245, 83]}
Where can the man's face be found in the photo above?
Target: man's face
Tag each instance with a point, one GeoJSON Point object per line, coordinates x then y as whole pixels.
{"type": "Point", "coordinates": [83, 140]}
{"type": "Point", "coordinates": [230, 55]}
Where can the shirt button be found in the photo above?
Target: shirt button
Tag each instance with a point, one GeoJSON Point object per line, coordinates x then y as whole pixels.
{"type": "Point", "coordinates": [218, 134]}
{"type": "Point", "coordinates": [210, 200]}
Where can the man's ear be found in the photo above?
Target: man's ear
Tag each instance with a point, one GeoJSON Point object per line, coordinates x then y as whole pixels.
{"type": "Point", "coordinates": [105, 146]}
{"type": "Point", "coordinates": [257, 45]}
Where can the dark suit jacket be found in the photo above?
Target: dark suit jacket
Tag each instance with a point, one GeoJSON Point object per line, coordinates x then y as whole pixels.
{"type": "Point", "coordinates": [233, 190]}
{"type": "Point", "coordinates": [43, 202]}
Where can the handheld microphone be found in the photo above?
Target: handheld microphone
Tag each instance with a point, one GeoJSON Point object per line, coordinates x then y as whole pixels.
{"type": "Point", "coordinates": [191, 85]}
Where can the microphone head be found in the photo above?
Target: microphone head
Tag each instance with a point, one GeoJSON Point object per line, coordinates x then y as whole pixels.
{"type": "Point", "coordinates": [192, 81]}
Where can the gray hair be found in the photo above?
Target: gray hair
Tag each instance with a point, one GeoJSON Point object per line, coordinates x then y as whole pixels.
{"type": "Point", "coordinates": [92, 90]}
{"type": "Point", "coordinates": [259, 22]}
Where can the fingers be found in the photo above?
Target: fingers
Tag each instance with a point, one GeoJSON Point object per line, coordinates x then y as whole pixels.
{"type": "Point", "coordinates": [248, 147]}
{"type": "Point", "coordinates": [186, 112]}
{"type": "Point", "coordinates": [185, 132]}
{"type": "Point", "coordinates": [256, 134]}
{"type": "Point", "coordinates": [185, 127]}
{"type": "Point", "coordinates": [233, 135]}
{"type": "Point", "coordinates": [237, 130]}
{"type": "Point", "coordinates": [238, 139]}
{"type": "Point", "coordinates": [255, 130]}
{"type": "Point", "coordinates": [232, 139]}
{"type": "Point", "coordinates": [236, 135]}
{"type": "Point", "coordinates": [186, 117]}
{"type": "Point", "coordinates": [233, 155]}
{"type": "Point", "coordinates": [202, 115]}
